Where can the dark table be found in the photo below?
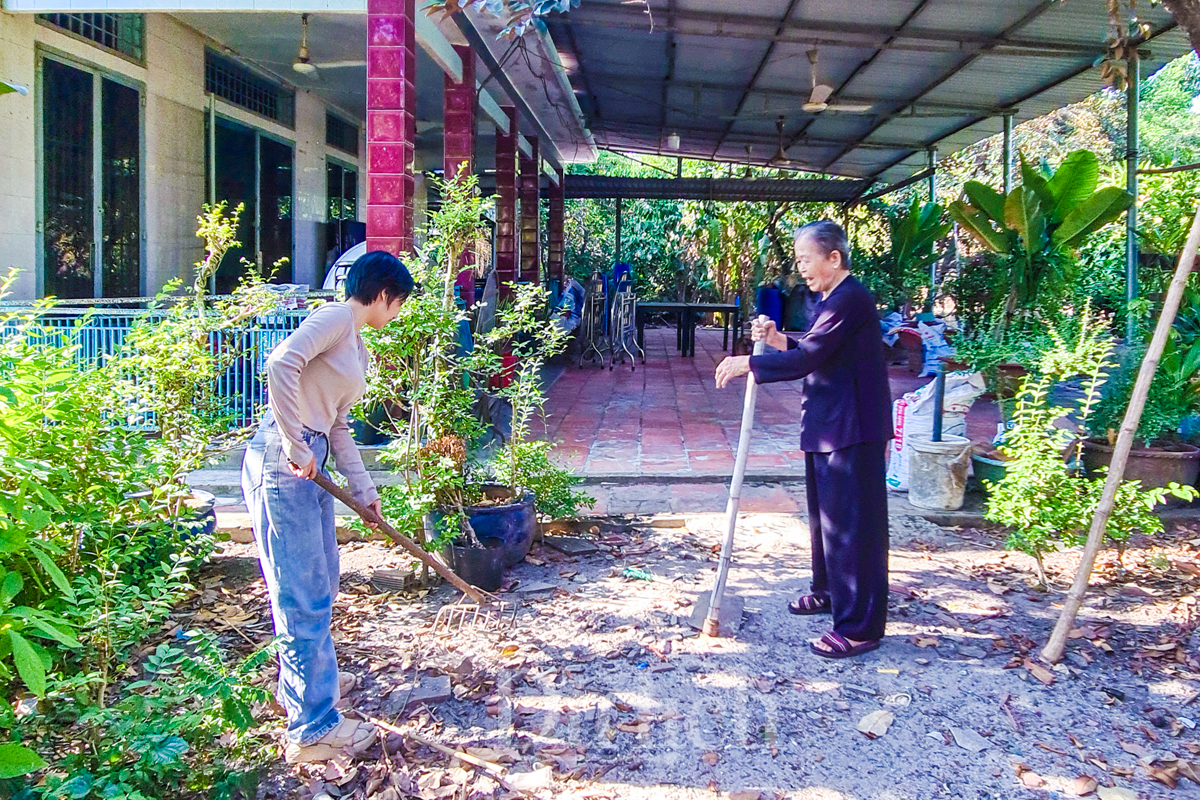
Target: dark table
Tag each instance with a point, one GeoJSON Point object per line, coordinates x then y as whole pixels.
{"type": "Point", "coordinates": [685, 322]}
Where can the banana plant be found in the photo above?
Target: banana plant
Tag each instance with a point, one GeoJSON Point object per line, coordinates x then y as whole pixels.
{"type": "Point", "coordinates": [914, 236]}
{"type": "Point", "coordinates": [1041, 223]}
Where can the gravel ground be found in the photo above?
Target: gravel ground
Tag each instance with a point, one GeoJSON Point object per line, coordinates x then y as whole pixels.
{"type": "Point", "coordinates": [602, 690]}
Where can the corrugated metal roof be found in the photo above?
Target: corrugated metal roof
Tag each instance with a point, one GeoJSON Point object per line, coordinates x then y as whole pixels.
{"type": "Point", "coordinates": [722, 189]}
{"type": "Point", "coordinates": [935, 73]}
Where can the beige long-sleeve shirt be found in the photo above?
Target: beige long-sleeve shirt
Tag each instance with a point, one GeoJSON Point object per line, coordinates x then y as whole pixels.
{"type": "Point", "coordinates": [314, 377]}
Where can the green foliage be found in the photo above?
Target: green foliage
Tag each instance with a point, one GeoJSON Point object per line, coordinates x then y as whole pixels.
{"type": "Point", "coordinates": [553, 486]}
{"type": "Point", "coordinates": [1044, 500]}
{"type": "Point", "coordinates": [176, 352]}
{"type": "Point", "coordinates": [439, 394]}
{"type": "Point", "coordinates": [90, 568]}
{"type": "Point", "coordinates": [914, 234]}
{"type": "Point", "coordinates": [1174, 394]}
{"type": "Point", "coordinates": [161, 730]}
{"type": "Point", "coordinates": [1043, 223]}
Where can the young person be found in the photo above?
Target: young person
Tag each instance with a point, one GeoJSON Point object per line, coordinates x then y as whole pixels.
{"type": "Point", "coordinates": [314, 377]}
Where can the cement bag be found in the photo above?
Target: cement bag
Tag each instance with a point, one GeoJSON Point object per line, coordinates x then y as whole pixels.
{"type": "Point", "coordinates": [912, 415]}
{"type": "Point", "coordinates": [936, 347]}
{"type": "Point", "coordinates": [888, 325]}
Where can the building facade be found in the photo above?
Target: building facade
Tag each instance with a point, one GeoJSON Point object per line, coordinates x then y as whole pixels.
{"type": "Point", "coordinates": [134, 118]}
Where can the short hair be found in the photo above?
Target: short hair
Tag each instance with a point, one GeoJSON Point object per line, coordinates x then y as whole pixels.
{"type": "Point", "coordinates": [829, 236]}
{"type": "Point", "coordinates": [375, 273]}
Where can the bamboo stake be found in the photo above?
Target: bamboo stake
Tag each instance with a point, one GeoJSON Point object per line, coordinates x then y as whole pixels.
{"type": "Point", "coordinates": [408, 544]}
{"type": "Point", "coordinates": [1053, 650]}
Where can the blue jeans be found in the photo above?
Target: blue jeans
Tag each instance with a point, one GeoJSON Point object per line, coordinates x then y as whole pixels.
{"type": "Point", "coordinates": [297, 548]}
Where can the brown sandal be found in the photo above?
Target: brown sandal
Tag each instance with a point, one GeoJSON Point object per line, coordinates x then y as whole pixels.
{"type": "Point", "coordinates": [808, 604]}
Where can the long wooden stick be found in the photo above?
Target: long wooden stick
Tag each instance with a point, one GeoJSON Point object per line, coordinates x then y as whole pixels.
{"type": "Point", "coordinates": [408, 544]}
{"type": "Point", "coordinates": [1053, 650]}
{"type": "Point", "coordinates": [712, 622]}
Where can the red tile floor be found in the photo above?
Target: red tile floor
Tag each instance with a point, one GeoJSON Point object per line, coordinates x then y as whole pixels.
{"type": "Point", "coordinates": [667, 419]}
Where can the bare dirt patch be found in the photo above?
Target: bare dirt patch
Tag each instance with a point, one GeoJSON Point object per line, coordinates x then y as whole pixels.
{"type": "Point", "coordinates": [601, 690]}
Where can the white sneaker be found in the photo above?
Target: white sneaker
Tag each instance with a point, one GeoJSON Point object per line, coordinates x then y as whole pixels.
{"type": "Point", "coordinates": [351, 736]}
{"type": "Point", "coordinates": [346, 683]}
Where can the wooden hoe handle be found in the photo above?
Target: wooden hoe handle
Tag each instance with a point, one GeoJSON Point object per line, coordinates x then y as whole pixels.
{"type": "Point", "coordinates": [408, 544]}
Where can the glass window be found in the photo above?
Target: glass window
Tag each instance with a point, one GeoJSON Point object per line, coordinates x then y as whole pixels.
{"type": "Point", "coordinates": [341, 134]}
{"type": "Point", "coordinates": [91, 207]}
{"type": "Point", "coordinates": [255, 170]}
{"type": "Point", "coordinates": [124, 33]}
{"type": "Point", "coordinates": [343, 230]}
{"type": "Point", "coordinates": [237, 84]}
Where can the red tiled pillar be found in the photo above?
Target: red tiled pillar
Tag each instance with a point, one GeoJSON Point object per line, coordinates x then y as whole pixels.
{"type": "Point", "coordinates": [458, 113]}
{"type": "Point", "coordinates": [506, 203]}
{"type": "Point", "coordinates": [554, 236]}
{"type": "Point", "coordinates": [531, 215]}
{"type": "Point", "coordinates": [391, 123]}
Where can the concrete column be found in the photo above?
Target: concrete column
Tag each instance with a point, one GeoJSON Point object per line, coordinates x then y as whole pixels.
{"type": "Point", "coordinates": [554, 254]}
{"type": "Point", "coordinates": [391, 123]}
{"type": "Point", "coordinates": [531, 216]}
{"type": "Point", "coordinates": [506, 203]}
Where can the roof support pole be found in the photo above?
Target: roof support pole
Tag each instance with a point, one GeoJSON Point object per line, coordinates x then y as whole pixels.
{"type": "Point", "coordinates": [1008, 152]}
{"type": "Point", "coordinates": [933, 268]}
{"type": "Point", "coordinates": [1131, 185]}
{"type": "Point", "coordinates": [617, 260]}
{"type": "Point", "coordinates": [555, 239]}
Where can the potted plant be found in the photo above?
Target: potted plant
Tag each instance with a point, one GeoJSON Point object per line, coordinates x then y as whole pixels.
{"type": "Point", "coordinates": [1160, 456]}
{"type": "Point", "coordinates": [1044, 499]}
{"type": "Point", "coordinates": [173, 359]}
{"type": "Point", "coordinates": [461, 406]}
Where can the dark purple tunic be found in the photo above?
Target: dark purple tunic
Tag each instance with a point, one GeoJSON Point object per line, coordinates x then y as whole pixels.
{"type": "Point", "coordinates": [839, 361]}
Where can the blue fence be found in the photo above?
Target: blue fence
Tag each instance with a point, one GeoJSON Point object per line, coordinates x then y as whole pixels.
{"type": "Point", "coordinates": [100, 332]}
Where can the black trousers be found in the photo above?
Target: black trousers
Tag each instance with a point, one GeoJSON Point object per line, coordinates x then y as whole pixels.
{"type": "Point", "coordinates": [848, 518]}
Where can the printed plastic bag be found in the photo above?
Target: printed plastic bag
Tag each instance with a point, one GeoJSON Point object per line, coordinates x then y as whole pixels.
{"type": "Point", "coordinates": [912, 415]}
{"type": "Point", "coordinates": [935, 346]}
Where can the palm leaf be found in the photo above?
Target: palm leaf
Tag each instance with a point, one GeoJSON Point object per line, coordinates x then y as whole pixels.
{"type": "Point", "coordinates": [986, 199]}
{"type": "Point", "coordinates": [1093, 213]}
{"type": "Point", "coordinates": [1023, 212]}
{"type": "Point", "coordinates": [979, 226]}
{"type": "Point", "coordinates": [1073, 182]}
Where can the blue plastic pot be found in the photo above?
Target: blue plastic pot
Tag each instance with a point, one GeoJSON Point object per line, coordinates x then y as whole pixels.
{"type": "Point", "coordinates": [514, 523]}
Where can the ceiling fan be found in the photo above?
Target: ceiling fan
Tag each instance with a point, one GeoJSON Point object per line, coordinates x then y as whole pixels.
{"type": "Point", "coordinates": [780, 159]}
{"type": "Point", "coordinates": [818, 99]}
{"type": "Point", "coordinates": [304, 63]}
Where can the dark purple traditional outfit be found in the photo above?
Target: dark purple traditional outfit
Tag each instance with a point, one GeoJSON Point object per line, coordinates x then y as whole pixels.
{"type": "Point", "coordinates": [845, 423]}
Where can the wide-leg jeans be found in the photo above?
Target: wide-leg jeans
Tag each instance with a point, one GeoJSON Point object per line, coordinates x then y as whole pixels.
{"type": "Point", "coordinates": [297, 547]}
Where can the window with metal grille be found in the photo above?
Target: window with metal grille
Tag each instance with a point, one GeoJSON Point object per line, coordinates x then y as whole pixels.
{"type": "Point", "coordinates": [124, 33]}
{"type": "Point", "coordinates": [231, 81]}
{"type": "Point", "coordinates": [341, 134]}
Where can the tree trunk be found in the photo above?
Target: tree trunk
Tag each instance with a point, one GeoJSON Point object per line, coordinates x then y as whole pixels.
{"type": "Point", "coordinates": [1187, 14]}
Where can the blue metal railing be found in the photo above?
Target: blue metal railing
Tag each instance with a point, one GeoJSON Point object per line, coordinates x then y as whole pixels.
{"type": "Point", "coordinates": [100, 333]}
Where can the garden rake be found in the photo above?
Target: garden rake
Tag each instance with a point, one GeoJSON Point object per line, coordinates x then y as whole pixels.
{"type": "Point", "coordinates": [721, 619]}
{"type": "Point", "coordinates": [486, 612]}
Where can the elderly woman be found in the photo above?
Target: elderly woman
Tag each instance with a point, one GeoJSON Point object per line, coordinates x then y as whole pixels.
{"type": "Point", "coordinates": [844, 427]}
{"type": "Point", "coordinates": [314, 377]}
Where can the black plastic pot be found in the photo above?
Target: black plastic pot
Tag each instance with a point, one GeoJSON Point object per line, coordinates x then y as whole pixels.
{"type": "Point", "coordinates": [366, 432]}
{"type": "Point", "coordinates": [482, 567]}
{"type": "Point", "coordinates": [515, 522]}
